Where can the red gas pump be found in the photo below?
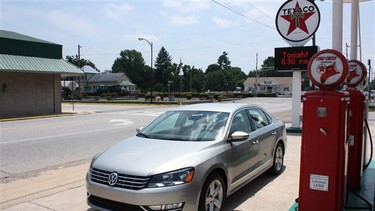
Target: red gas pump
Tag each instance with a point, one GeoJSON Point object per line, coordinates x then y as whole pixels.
{"type": "Point", "coordinates": [324, 144]}
{"type": "Point", "coordinates": [357, 130]}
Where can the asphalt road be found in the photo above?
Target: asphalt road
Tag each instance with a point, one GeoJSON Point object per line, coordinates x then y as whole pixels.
{"type": "Point", "coordinates": [30, 146]}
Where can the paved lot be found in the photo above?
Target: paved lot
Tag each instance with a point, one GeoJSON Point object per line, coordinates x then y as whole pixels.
{"type": "Point", "coordinates": [64, 188]}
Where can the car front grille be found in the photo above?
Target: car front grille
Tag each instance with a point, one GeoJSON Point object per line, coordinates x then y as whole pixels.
{"type": "Point", "coordinates": [124, 180]}
{"type": "Point", "coordinates": [111, 205]}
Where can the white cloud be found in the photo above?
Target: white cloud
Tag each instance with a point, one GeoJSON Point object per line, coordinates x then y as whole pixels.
{"type": "Point", "coordinates": [72, 23]}
{"type": "Point", "coordinates": [172, 4]}
{"type": "Point", "coordinates": [196, 5]}
{"type": "Point", "coordinates": [179, 20]}
{"type": "Point", "coordinates": [187, 6]}
{"type": "Point", "coordinates": [116, 11]}
{"type": "Point", "coordinates": [222, 22]}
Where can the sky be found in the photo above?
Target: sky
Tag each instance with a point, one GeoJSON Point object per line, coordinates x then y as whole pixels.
{"type": "Point", "coordinates": [196, 32]}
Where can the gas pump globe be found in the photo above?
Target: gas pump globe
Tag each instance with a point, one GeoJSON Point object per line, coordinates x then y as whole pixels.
{"type": "Point", "coordinates": [324, 146]}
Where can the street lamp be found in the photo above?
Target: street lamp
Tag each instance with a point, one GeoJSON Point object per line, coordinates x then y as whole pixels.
{"type": "Point", "coordinates": [152, 73]}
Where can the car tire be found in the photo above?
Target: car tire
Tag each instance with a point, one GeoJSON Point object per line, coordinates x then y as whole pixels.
{"type": "Point", "coordinates": [213, 194]}
{"type": "Point", "coordinates": [278, 160]}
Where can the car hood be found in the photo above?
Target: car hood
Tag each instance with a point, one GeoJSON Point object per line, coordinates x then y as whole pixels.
{"type": "Point", "coordinates": [145, 157]}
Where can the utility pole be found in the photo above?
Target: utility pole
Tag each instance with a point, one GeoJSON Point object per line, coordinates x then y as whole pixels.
{"type": "Point", "coordinates": [369, 78]}
{"type": "Point", "coordinates": [79, 65]}
{"type": "Point", "coordinates": [79, 56]}
{"type": "Point", "coordinates": [256, 75]}
{"type": "Point", "coordinates": [346, 50]}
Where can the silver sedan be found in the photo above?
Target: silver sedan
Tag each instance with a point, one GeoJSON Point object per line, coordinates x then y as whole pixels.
{"type": "Point", "coordinates": [189, 158]}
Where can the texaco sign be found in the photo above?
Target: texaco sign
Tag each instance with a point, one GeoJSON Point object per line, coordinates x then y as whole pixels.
{"type": "Point", "coordinates": [297, 21]}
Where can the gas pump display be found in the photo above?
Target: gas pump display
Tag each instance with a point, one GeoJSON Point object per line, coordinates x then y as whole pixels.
{"type": "Point", "coordinates": [324, 144]}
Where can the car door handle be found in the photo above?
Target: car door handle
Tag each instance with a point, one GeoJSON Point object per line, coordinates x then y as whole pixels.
{"type": "Point", "coordinates": [255, 142]}
{"type": "Point", "coordinates": [274, 133]}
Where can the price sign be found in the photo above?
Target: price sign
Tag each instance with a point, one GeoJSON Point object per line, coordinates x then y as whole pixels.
{"type": "Point", "coordinates": [294, 58]}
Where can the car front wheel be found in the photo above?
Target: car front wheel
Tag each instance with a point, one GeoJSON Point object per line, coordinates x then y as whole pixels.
{"type": "Point", "coordinates": [213, 194]}
{"type": "Point", "coordinates": [278, 160]}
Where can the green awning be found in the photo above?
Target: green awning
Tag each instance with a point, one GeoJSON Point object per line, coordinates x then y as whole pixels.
{"type": "Point", "coordinates": [12, 63]}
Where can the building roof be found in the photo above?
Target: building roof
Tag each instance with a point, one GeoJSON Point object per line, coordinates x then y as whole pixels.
{"type": "Point", "coordinates": [12, 63]}
{"type": "Point", "coordinates": [279, 80]}
{"type": "Point", "coordinates": [89, 69]}
{"type": "Point", "coordinates": [13, 43]}
{"type": "Point", "coordinates": [108, 77]}
{"type": "Point", "coordinates": [17, 36]}
{"type": "Point", "coordinates": [126, 83]}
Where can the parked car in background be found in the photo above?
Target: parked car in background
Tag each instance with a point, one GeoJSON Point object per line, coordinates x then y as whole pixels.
{"type": "Point", "coordinates": [189, 158]}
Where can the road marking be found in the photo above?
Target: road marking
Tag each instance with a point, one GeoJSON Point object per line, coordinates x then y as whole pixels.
{"type": "Point", "coordinates": [39, 139]}
{"type": "Point", "coordinates": [122, 122]}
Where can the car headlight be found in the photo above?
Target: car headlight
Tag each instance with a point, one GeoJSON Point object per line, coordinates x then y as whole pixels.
{"type": "Point", "coordinates": [172, 178]}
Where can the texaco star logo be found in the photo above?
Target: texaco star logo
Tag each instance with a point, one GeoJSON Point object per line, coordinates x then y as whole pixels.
{"type": "Point", "coordinates": [297, 21]}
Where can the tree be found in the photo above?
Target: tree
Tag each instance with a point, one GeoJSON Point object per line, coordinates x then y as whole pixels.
{"type": "Point", "coordinates": [163, 66]}
{"type": "Point", "coordinates": [268, 63]}
{"type": "Point", "coordinates": [80, 62]}
{"type": "Point", "coordinates": [223, 61]}
{"type": "Point", "coordinates": [223, 77]}
{"type": "Point", "coordinates": [131, 63]}
{"type": "Point", "coordinates": [268, 70]}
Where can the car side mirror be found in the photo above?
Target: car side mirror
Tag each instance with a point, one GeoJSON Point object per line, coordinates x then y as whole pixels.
{"type": "Point", "coordinates": [238, 136]}
{"type": "Point", "coordinates": [139, 130]}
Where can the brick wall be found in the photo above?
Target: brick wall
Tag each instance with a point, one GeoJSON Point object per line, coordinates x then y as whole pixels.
{"type": "Point", "coordinates": [28, 94]}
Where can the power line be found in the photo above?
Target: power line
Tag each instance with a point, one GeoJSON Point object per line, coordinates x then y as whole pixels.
{"type": "Point", "coordinates": [241, 14]}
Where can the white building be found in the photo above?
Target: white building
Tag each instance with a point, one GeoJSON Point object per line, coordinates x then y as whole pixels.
{"type": "Point", "coordinates": [269, 85]}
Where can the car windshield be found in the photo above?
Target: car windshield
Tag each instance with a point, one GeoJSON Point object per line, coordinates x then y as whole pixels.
{"type": "Point", "coordinates": [187, 126]}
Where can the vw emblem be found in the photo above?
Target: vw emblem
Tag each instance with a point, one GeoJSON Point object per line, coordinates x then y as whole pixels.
{"type": "Point", "coordinates": [112, 179]}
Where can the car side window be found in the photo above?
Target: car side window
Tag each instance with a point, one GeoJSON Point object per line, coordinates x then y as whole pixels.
{"type": "Point", "coordinates": [240, 122]}
{"type": "Point", "coordinates": [258, 117]}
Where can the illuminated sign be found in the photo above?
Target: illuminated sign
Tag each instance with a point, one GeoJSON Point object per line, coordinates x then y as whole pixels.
{"type": "Point", "coordinates": [294, 57]}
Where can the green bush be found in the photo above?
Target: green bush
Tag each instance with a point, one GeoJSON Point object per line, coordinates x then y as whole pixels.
{"type": "Point", "coordinates": [148, 96]}
{"type": "Point", "coordinates": [159, 87]}
{"type": "Point", "coordinates": [189, 96]}
{"type": "Point", "coordinates": [203, 96]}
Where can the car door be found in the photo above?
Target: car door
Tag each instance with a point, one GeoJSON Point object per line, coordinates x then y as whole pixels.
{"type": "Point", "coordinates": [243, 154]}
{"type": "Point", "coordinates": [265, 134]}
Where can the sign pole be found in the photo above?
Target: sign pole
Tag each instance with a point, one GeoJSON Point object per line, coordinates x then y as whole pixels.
{"type": "Point", "coordinates": [296, 101]}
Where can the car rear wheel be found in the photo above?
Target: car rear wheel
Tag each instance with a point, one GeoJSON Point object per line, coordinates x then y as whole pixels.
{"type": "Point", "coordinates": [278, 160]}
{"type": "Point", "coordinates": [213, 194]}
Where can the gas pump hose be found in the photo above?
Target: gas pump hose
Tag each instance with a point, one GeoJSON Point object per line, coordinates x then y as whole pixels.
{"type": "Point", "coordinates": [371, 145]}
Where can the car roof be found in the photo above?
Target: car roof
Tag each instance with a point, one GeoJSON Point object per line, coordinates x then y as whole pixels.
{"type": "Point", "coordinates": [220, 107]}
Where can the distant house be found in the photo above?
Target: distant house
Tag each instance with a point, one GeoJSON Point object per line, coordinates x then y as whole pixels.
{"type": "Point", "coordinates": [88, 72]}
{"type": "Point", "coordinates": [266, 85]}
{"type": "Point", "coordinates": [82, 81]}
{"type": "Point", "coordinates": [30, 75]}
{"type": "Point", "coordinates": [101, 81]}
